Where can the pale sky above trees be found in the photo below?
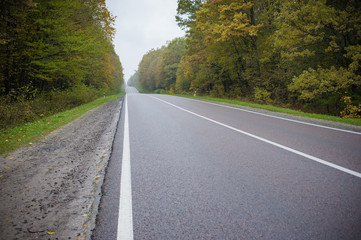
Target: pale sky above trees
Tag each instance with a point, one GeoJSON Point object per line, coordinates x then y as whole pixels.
{"type": "Point", "coordinates": [140, 26]}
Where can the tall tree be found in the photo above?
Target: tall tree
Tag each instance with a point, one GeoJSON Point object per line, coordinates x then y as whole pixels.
{"type": "Point", "coordinates": [158, 68]}
{"type": "Point", "coordinates": [323, 43]}
{"type": "Point", "coordinates": [186, 13]}
{"type": "Point", "coordinates": [55, 44]}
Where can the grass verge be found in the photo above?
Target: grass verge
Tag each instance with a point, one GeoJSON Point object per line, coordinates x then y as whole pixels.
{"type": "Point", "coordinates": [27, 134]}
{"type": "Point", "coordinates": [279, 109]}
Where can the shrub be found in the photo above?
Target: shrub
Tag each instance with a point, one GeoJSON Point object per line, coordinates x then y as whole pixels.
{"type": "Point", "coordinates": [217, 91]}
{"type": "Point", "coordinates": [350, 110]}
{"type": "Point", "coordinates": [262, 95]}
{"type": "Point", "coordinates": [17, 110]}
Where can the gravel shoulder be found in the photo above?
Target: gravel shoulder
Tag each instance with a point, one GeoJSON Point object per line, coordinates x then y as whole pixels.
{"type": "Point", "coordinates": [51, 189]}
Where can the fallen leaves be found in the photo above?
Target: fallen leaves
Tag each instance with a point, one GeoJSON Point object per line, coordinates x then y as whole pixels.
{"type": "Point", "coordinates": [50, 233]}
{"type": "Point", "coordinates": [5, 167]}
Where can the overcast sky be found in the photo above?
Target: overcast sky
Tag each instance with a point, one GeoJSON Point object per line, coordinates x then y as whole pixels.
{"type": "Point", "coordinates": [140, 26]}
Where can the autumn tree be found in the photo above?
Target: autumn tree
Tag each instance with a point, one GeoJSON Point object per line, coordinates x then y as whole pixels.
{"type": "Point", "coordinates": [225, 37]}
{"type": "Point", "coordinates": [186, 13]}
{"type": "Point", "coordinates": [283, 52]}
{"type": "Point", "coordinates": [50, 48]}
{"type": "Point", "coordinates": [323, 44]}
{"type": "Point", "coordinates": [56, 44]}
{"type": "Point", "coordinates": [133, 80]}
{"type": "Point", "coordinates": [158, 68]}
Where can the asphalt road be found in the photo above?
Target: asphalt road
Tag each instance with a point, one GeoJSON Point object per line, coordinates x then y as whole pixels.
{"type": "Point", "coordinates": [204, 171]}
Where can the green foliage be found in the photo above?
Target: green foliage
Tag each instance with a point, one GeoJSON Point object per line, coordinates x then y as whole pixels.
{"type": "Point", "coordinates": [350, 110]}
{"type": "Point", "coordinates": [28, 133]}
{"type": "Point", "coordinates": [133, 80]}
{"type": "Point", "coordinates": [158, 68]}
{"type": "Point", "coordinates": [279, 109]}
{"type": "Point", "coordinates": [313, 84]}
{"type": "Point", "coordinates": [186, 12]}
{"type": "Point", "coordinates": [55, 48]}
{"type": "Point", "coordinates": [295, 53]}
{"type": "Point", "coordinates": [262, 95]}
{"type": "Point", "coordinates": [14, 113]}
{"type": "Point", "coordinates": [183, 81]}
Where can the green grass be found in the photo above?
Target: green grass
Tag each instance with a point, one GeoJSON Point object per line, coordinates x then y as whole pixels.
{"type": "Point", "coordinates": [27, 134]}
{"type": "Point", "coordinates": [279, 109]}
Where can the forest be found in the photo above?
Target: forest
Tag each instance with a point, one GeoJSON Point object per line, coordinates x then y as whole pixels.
{"type": "Point", "coordinates": [298, 54]}
{"type": "Point", "coordinates": [54, 55]}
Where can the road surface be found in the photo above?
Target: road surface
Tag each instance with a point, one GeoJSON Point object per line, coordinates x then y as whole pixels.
{"type": "Point", "coordinates": [195, 170]}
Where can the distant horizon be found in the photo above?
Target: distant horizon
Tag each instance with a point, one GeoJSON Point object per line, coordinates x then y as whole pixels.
{"type": "Point", "coordinates": [140, 26]}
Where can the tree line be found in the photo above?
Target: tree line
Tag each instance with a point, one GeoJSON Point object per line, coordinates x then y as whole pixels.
{"type": "Point", "coordinates": [158, 68]}
{"type": "Point", "coordinates": [54, 55]}
{"type": "Point", "coordinates": [301, 54]}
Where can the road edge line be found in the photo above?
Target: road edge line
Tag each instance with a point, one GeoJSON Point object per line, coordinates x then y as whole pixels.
{"type": "Point", "coordinates": [335, 166]}
{"type": "Point", "coordinates": [277, 117]}
{"type": "Point", "coordinates": [125, 215]}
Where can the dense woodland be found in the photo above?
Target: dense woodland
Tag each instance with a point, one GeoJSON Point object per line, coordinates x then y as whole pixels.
{"type": "Point", "coordinates": [54, 55]}
{"type": "Point", "coordinates": [301, 54]}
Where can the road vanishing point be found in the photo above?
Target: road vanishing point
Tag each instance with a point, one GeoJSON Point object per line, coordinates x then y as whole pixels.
{"type": "Point", "coordinates": [188, 169]}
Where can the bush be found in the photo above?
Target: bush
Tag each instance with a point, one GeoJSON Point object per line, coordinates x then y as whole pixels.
{"type": "Point", "coordinates": [350, 110]}
{"type": "Point", "coordinates": [217, 91]}
{"type": "Point", "coordinates": [159, 91]}
{"type": "Point", "coordinates": [262, 95]}
{"type": "Point", "coordinates": [20, 110]}
{"type": "Point", "coordinates": [13, 113]}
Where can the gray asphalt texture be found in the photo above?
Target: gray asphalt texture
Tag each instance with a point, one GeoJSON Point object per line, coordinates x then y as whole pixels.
{"type": "Point", "coordinates": [194, 179]}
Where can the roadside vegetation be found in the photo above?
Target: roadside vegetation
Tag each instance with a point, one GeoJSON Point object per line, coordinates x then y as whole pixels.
{"type": "Point", "coordinates": [29, 133]}
{"type": "Point", "coordinates": [302, 55]}
{"type": "Point", "coordinates": [54, 55]}
{"type": "Point", "coordinates": [279, 109]}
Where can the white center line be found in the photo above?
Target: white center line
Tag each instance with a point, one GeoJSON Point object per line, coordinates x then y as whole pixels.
{"type": "Point", "coordinates": [270, 142]}
{"type": "Point", "coordinates": [125, 215]}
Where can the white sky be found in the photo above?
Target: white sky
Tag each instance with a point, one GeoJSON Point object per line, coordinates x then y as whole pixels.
{"type": "Point", "coordinates": [140, 26]}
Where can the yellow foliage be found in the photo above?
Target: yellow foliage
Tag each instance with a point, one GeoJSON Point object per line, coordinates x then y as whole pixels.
{"type": "Point", "coordinates": [222, 22]}
{"type": "Point", "coordinates": [313, 83]}
{"type": "Point", "coordinates": [262, 95]}
{"type": "Point", "coordinates": [350, 110]}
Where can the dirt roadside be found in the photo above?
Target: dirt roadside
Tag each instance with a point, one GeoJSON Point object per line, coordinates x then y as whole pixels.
{"type": "Point", "coordinates": [51, 189]}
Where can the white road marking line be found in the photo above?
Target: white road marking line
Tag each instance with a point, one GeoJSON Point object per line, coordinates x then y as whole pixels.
{"type": "Point", "coordinates": [270, 142]}
{"type": "Point", "coordinates": [125, 215]}
{"type": "Point", "coordinates": [271, 116]}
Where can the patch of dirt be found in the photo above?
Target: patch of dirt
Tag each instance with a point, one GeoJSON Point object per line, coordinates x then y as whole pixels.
{"type": "Point", "coordinates": [51, 190]}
